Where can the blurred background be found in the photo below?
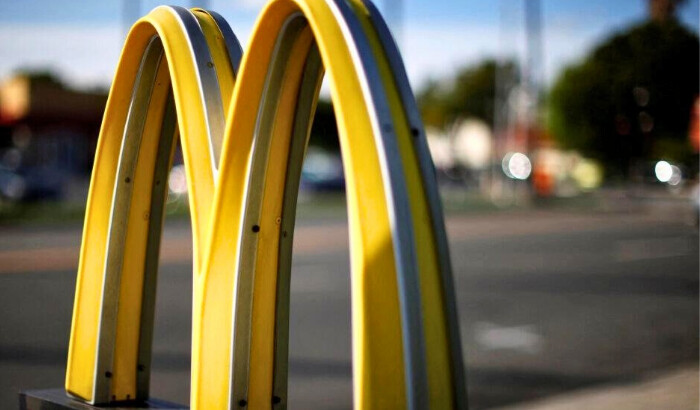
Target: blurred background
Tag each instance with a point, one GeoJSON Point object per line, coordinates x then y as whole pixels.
{"type": "Point", "coordinates": [565, 136]}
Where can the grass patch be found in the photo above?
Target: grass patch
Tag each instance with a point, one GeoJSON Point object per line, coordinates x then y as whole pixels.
{"type": "Point", "coordinates": [41, 213]}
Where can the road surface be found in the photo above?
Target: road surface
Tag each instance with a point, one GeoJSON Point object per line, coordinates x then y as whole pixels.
{"type": "Point", "coordinates": [549, 301]}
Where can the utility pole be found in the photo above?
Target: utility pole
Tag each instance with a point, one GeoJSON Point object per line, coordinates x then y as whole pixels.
{"type": "Point", "coordinates": [517, 122]}
{"type": "Point", "coordinates": [534, 67]}
{"type": "Point", "coordinates": [393, 13]}
{"type": "Point", "coordinates": [131, 11]}
{"type": "Point", "coordinates": [506, 83]}
{"type": "Point", "coordinates": [202, 4]}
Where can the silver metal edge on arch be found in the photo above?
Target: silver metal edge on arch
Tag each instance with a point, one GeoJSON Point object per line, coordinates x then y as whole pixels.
{"type": "Point", "coordinates": [118, 223]}
{"type": "Point", "coordinates": [208, 86]}
{"type": "Point", "coordinates": [233, 46]}
{"type": "Point", "coordinates": [207, 79]}
{"type": "Point", "coordinates": [159, 192]}
{"type": "Point", "coordinates": [247, 254]}
{"type": "Point", "coordinates": [305, 107]}
{"type": "Point", "coordinates": [163, 163]}
{"type": "Point", "coordinates": [431, 190]}
{"type": "Point", "coordinates": [413, 338]}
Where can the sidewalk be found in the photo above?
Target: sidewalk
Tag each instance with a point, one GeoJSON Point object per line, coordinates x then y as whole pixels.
{"type": "Point", "coordinates": [675, 389]}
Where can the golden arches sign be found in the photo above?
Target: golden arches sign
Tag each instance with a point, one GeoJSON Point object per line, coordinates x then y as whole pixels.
{"type": "Point", "coordinates": [178, 73]}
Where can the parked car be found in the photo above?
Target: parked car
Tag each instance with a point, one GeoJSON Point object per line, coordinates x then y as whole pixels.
{"type": "Point", "coordinates": [28, 184]}
{"type": "Point", "coordinates": [322, 171]}
{"type": "Point", "coordinates": [12, 185]}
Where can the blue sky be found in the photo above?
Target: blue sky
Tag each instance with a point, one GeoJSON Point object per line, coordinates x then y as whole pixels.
{"type": "Point", "coordinates": [437, 36]}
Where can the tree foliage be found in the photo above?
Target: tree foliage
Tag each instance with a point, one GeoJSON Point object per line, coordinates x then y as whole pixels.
{"type": "Point", "coordinates": [470, 93]}
{"type": "Point", "coordinates": [631, 98]}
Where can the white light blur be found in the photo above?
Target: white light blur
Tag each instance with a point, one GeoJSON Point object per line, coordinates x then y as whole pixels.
{"type": "Point", "coordinates": [676, 176]}
{"type": "Point", "coordinates": [15, 188]}
{"type": "Point", "coordinates": [663, 171]}
{"type": "Point", "coordinates": [517, 165]}
{"type": "Point", "coordinates": [472, 144]}
{"type": "Point", "coordinates": [524, 338]}
{"type": "Point", "coordinates": [177, 180]}
{"type": "Point", "coordinates": [440, 149]}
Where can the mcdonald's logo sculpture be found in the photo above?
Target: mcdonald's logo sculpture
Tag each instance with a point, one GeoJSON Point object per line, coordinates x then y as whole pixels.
{"type": "Point", "coordinates": [243, 121]}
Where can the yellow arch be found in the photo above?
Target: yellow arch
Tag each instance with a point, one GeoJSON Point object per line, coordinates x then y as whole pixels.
{"type": "Point", "coordinates": [406, 350]}
{"type": "Point", "coordinates": [385, 188]}
{"type": "Point", "coordinates": [121, 234]}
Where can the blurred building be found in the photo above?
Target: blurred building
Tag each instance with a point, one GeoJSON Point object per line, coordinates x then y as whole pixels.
{"type": "Point", "coordinates": [48, 132]}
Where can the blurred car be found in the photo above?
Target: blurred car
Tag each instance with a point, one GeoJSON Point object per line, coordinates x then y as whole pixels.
{"type": "Point", "coordinates": [322, 172]}
{"type": "Point", "coordinates": [12, 185]}
{"type": "Point", "coordinates": [31, 184]}
{"type": "Point", "coordinates": [43, 183]}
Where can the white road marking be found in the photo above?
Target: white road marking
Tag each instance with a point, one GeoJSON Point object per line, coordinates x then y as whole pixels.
{"type": "Point", "coordinates": [524, 338]}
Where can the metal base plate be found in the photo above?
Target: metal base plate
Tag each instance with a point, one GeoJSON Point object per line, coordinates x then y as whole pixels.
{"type": "Point", "coordinates": [57, 399]}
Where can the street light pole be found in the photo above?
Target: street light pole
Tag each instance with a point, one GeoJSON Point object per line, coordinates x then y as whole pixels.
{"type": "Point", "coordinates": [202, 4]}
{"type": "Point", "coordinates": [534, 64]}
{"type": "Point", "coordinates": [393, 13]}
{"type": "Point", "coordinates": [131, 11]}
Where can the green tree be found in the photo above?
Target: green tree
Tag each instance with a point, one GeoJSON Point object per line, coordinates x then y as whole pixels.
{"type": "Point", "coordinates": [470, 93]}
{"type": "Point", "coordinates": [631, 98]}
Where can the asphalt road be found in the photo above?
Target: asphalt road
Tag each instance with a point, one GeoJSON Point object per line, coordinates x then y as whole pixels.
{"type": "Point", "coordinates": [548, 302]}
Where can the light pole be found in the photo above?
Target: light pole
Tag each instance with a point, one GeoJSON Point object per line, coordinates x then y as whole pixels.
{"type": "Point", "coordinates": [393, 13]}
{"type": "Point", "coordinates": [131, 11]}
{"type": "Point", "coordinates": [202, 4]}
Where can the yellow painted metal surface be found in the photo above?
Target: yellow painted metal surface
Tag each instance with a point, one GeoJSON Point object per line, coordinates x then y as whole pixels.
{"type": "Point", "coordinates": [436, 337]}
{"type": "Point", "coordinates": [377, 353]}
{"type": "Point", "coordinates": [123, 378]}
{"type": "Point", "coordinates": [80, 374]}
{"type": "Point", "coordinates": [236, 211]}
